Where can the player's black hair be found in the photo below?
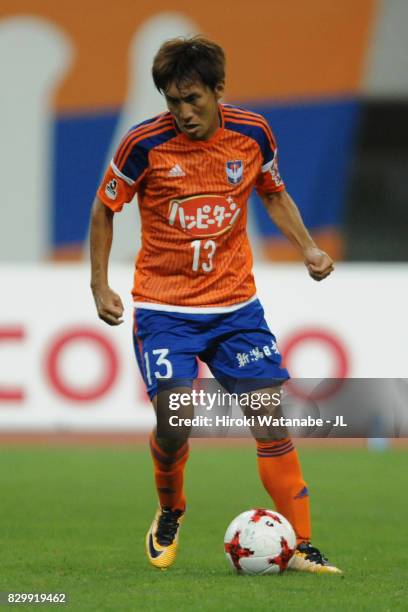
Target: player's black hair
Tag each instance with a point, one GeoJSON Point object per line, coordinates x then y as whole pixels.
{"type": "Point", "coordinates": [187, 60]}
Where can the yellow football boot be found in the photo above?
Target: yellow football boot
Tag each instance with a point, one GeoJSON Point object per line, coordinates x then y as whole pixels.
{"type": "Point", "coordinates": [162, 537]}
{"type": "Point", "coordinates": [309, 559]}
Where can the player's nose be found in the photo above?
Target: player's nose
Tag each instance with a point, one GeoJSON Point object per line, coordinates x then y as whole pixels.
{"type": "Point", "coordinates": [185, 112]}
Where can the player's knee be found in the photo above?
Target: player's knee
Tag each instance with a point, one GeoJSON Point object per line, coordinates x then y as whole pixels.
{"type": "Point", "coordinates": [171, 445]}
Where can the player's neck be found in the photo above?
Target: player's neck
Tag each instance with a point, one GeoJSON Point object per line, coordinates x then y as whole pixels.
{"type": "Point", "coordinates": [215, 125]}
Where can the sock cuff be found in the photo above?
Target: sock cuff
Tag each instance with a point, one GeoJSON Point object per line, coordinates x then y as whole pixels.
{"type": "Point", "coordinates": [274, 448]}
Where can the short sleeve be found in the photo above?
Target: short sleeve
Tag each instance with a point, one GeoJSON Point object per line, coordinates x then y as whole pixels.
{"type": "Point", "coordinates": [124, 175]}
{"type": "Point", "coordinates": [269, 180]}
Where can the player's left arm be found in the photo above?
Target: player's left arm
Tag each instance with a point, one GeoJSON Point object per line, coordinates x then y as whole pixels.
{"type": "Point", "coordinates": [286, 216]}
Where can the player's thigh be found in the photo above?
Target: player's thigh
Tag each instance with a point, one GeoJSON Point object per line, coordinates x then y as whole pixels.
{"type": "Point", "coordinates": [247, 360]}
{"type": "Point", "coordinates": [165, 352]}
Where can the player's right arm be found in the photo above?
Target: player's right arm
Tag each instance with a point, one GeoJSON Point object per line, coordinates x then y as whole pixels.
{"type": "Point", "coordinates": [108, 303]}
{"type": "Point", "coordinates": [118, 187]}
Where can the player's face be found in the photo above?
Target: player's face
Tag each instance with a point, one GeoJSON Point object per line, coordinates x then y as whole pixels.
{"type": "Point", "coordinates": [195, 108]}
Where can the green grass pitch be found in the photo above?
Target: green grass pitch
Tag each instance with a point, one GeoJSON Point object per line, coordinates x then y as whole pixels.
{"type": "Point", "coordinates": [74, 520]}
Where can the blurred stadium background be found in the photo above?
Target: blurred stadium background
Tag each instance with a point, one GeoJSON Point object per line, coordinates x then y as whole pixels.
{"type": "Point", "coordinates": [332, 78]}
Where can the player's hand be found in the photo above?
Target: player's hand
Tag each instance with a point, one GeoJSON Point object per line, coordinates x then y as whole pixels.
{"type": "Point", "coordinates": [109, 305]}
{"type": "Point", "coordinates": [319, 263]}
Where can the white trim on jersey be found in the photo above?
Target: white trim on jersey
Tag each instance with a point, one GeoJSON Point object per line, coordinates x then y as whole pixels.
{"type": "Point", "coordinates": [193, 309]}
{"type": "Point", "coordinates": [116, 170]}
{"type": "Point", "coordinates": [268, 165]}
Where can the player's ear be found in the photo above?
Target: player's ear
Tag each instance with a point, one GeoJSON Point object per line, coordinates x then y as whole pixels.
{"type": "Point", "coordinates": [219, 90]}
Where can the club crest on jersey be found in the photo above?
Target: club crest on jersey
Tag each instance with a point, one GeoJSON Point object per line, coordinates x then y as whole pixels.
{"type": "Point", "coordinates": [235, 171]}
{"type": "Point", "coordinates": [111, 189]}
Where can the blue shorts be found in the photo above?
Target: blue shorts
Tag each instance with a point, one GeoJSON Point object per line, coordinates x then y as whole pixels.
{"type": "Point", "coordinates": [237, 346]}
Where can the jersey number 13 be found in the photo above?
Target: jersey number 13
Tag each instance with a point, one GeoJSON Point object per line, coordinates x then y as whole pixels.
{"type": "Point", "coordinates": [203, 255]}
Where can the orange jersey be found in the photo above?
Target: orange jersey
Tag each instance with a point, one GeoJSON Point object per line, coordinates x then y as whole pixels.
{"type": "Point", "coordinates": [193, 205]}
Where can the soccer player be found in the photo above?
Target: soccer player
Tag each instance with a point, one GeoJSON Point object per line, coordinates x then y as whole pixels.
{"type": "Point", "coordinates": [193, 169]}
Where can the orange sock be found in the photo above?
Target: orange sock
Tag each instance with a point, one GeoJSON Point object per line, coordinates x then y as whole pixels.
{"type": "Point", "coordinates": [281, 475]}
{"type": "Point", "coordinates": [169, 474]}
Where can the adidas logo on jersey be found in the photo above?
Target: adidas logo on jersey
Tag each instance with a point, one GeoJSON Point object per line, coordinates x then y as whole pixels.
{"type": "Point", "coordinates": [176, 170]}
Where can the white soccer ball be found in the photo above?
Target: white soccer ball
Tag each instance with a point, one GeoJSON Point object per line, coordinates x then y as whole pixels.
{"type": "Point", "coordinates": [259, 541]}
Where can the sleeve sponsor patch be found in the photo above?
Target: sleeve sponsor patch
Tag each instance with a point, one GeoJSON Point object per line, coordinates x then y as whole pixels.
{"type": "Point", "coordinates": [269, 179]}
{"type": "Point", "coordinates": [114, 191]}
{"type": "Point", "coordinates": [111, 189]}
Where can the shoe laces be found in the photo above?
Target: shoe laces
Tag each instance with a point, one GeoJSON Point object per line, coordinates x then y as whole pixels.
{"type": "Point", "coordinates": [312, 554]}
{"type": "Point", "coordinates": [167, 525]}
